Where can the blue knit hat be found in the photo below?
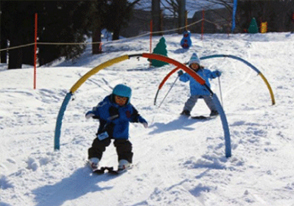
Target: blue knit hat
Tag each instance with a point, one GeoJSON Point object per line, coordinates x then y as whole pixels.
{"type": "Point", "coordinates": [194, 59]}
{"type": "Point", "coordinates": [123, 91]}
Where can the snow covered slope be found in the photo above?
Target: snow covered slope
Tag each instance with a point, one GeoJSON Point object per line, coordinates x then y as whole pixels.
{"type": "Point", "coordinates": [177, 161]}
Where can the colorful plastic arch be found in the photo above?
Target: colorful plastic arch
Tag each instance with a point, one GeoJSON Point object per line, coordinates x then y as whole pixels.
{"type": "Point", "coordinates": [149, 56]}
{"type": "Point", "coordinates": [216, 56]}
{"type": "Point", "coordinates": [248, 64]}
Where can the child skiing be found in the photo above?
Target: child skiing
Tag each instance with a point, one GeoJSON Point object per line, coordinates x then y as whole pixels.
{"type": "Point", "coordinates": [114, 114]}
{"type": "Point", "coordinates": [197, 90]}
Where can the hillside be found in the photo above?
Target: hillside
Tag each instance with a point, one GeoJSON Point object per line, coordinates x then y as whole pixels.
{"type": "Point", "coordinates": [177, 161]}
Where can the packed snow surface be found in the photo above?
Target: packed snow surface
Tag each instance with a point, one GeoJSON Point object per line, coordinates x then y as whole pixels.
{"type": "Point", "coordinates": [177, 161]}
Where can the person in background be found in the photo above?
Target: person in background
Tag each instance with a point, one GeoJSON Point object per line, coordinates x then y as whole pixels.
{"type": "Point", "coordinates": [115, 113]}
{"type": "Point", "coordinates": [197, 90]}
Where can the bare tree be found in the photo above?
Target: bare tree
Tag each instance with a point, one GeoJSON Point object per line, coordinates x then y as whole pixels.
{"type": "Point", "coordinates": [156, 16]}
{"type": "Point", "coordinates": [177, 9]}
{"type": "Point", "coordinates": [181, 12]}
{"type": "Point", "coordinates": [118, 15]}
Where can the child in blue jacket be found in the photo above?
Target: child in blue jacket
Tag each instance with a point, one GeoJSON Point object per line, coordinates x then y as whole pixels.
{"type": "Point", "coordinates": [197, 90]}
{"type": "Point", "coordinates": [114, 114]}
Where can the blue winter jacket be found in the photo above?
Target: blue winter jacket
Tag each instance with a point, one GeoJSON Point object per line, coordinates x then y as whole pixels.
{"type": "Point", "coordinates": [195, 87]}
{"type": "Point", "coordinates": [114, 119]}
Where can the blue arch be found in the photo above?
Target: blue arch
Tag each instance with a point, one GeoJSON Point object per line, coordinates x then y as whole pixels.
{"type": "Point", "coordinates": [233, 57]}
{"type": "Point", "coordinates": [224, 124]}
{"type": "Point", "coordinates": [59, 120]}
{"type": "Point", "coordinates": [248, 64]}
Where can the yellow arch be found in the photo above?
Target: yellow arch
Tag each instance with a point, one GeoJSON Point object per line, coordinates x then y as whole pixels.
{"type": "Point", "coordinates": [248, 64]}
{"type": "Point", "coordinates": [95, 70]}
{"type": "Point", "coordinates": [269, 88]}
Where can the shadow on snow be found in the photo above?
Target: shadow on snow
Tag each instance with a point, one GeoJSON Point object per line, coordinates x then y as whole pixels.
{"type": "Point", "coordinates": [182, 123]}
{"type": "Point", "coordinates": [70, 188]}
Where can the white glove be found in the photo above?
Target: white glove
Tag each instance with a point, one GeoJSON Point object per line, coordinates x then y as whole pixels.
{"type": "Point", "coordinates": [89, 115]}
{"type": "Point", "coordinates": [145, 124]}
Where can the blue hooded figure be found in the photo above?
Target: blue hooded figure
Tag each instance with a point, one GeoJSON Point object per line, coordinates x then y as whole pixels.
{"type": "Point", "coordinates": [186, 40]}
{"type": "Point", "coordinates": [197, 90]}
{"type": "Point", "coordinates": [114, 113]}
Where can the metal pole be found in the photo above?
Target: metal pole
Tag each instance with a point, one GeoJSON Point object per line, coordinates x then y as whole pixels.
{"type": "Point", "coordinates": [168, 91]}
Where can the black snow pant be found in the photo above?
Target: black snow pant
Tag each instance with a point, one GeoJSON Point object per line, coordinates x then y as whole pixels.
{"type": "Point", "coordinates": [123, 148]}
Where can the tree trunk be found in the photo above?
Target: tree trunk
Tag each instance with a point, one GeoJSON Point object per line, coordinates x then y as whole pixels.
{"type": "Point", "coordinates": [96, 47]}
{"type": "Point", "coordinates": [15, 55]}
{"type": "Point", "coordinates": [3, 53]}
{"type": "Point", "coordinates": [115, 35]}
{"type": "Point", "coordinates": [181, 12]}
{"type": "Point", "coordinates": [3, 39]}
{"type": "Point", "coordinates": [28, 55]}
{"type": "Point", "coordinates": [156, 16]}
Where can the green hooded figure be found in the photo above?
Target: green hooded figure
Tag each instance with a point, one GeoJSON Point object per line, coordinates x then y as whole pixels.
{"type": "Point", "coordinates": [253, 28]}
{"type": "Point", "coordinates": [159, 49]}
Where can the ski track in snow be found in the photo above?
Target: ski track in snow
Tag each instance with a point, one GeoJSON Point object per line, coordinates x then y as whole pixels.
{"type": "Point", "coordinates": [177, 161]}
